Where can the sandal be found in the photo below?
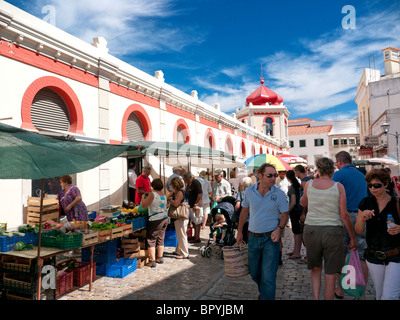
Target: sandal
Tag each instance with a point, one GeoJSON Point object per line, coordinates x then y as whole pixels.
{"type": "Point", "coordinates": [302, 261]}
{"type": "Point", "coordinates": [294, 257]}
{"type": "Point", "coordinates": [181, 257]}
{"type": "Point", "coordinates": [160, 260]}
{"type": "Point", "coordinates": [151, 264]}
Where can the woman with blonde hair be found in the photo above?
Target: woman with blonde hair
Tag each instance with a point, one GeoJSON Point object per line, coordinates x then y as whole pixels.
{"type": "Point", "coordinates": [323, 231]}
{"type": "Point", "coordinates": [176, 197]}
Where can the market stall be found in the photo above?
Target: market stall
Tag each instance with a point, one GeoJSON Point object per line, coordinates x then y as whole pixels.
{"type": "Point", "coordinates": [28, 155]}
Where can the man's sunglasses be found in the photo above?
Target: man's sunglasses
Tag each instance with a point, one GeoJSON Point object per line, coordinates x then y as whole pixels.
{"type": "Point", "coordinates": [375, 185]}
{"type": "Point", "coordinates": [270, 175]}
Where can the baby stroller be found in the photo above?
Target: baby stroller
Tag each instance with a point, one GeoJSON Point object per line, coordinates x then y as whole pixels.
{"type": "Point", "coordinates": [226, 207]}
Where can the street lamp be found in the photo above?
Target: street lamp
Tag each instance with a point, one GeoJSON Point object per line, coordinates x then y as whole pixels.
{"type": "Point", "coordinates": [385, 128]}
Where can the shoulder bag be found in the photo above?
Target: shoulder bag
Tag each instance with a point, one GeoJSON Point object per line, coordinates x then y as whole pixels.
{"type": "Point", "coordinates": [180, 212]}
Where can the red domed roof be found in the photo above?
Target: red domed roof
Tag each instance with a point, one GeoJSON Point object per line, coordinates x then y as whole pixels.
{"type": "Point", "coordinates": [263, 95]}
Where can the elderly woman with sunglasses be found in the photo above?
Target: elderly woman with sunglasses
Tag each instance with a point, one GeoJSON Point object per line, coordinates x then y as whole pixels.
{"type": "Point", "coordinates": [383, 243]}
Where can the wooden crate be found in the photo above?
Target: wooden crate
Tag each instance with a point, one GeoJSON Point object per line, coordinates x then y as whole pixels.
{"type": "Point", "coordinates": [90, 238]}
{"type": "Point", "coordinates": [104, 235]}
{"type": "Point", "coordinates": [49, 210]}
{"type": "Point", "coordinates": [137, 254]}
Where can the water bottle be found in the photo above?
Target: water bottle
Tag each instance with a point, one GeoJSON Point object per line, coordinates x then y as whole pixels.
{"type": "Point", "coordinates": [390, 221]}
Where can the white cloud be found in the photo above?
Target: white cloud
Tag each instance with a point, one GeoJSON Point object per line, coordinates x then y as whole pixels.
{"type": "Point", "coordinates": [128, 26]}
{"type": "Point", "coordinates": [328, 71]}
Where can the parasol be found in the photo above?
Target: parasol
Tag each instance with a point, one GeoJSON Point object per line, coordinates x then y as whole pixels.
{"type": "Point", "coordinates": [256, 161]}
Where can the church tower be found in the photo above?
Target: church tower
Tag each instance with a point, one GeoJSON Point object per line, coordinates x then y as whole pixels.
{"type": "Point", "coordinates": [265, 111]}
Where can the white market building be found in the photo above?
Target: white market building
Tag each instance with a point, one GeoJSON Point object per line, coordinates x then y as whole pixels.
{"type": "Point", "coordinates": [54, 81]}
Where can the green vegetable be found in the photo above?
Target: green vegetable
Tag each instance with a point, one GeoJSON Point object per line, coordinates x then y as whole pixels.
{"type": "Point", "coordinates": [20, 246]}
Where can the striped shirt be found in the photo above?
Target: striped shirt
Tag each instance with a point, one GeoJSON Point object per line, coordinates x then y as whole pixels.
{"type": "Point", "coordinates": [323, 206]}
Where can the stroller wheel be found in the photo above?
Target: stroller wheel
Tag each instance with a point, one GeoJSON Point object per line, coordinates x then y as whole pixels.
{"type": "Point", "coordinates": [208, 252]}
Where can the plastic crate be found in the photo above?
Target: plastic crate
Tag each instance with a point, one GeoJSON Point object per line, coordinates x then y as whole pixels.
{"type": "Point", "coordinates": [64, 283]}
{"type": "Point", "coordinates": [59, 240]}
{"type": "Point", "coordinates": [92, 215]}
{"type": "Point", "coordinates": [170, 239]}
{"type": "Point", "coordinates": [81, 271]}
{"type": "Point", "coordinates": [8, 243]}
{"type": "Point", "coordinates": [119, 269]}
{"type": "Point", "coordinates": [105, 252]}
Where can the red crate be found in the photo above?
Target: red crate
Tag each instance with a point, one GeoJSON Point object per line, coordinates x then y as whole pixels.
{"type": "Point", "coordinates": [82, 273]}
{"type": "Point", "coordinates": [64, 283]}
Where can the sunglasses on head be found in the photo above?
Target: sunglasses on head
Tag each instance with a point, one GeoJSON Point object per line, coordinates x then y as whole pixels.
{"type": "Point", "coordinates": [270, 175]}
{"type": "Point", "coordinates": [375, 185]}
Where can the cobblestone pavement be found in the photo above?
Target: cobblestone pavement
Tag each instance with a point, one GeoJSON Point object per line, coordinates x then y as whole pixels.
{"type": "Point", "coordinates": [201, 278]}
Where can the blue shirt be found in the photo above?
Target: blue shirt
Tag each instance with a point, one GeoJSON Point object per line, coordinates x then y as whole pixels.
{"type": "Point", "coordinates": [354, 184]}
{"type": "Point", "coordinates": [264, 210]}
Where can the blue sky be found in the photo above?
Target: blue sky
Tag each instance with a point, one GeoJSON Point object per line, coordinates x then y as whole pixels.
{"type": "Point", "coordinates": [217, 47]}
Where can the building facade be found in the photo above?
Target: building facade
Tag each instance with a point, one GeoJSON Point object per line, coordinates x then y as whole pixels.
{"type": "Point", "coordinates": [312, 139]}
{"type": "Point", "coordinates": [378, 101]}
{"type": "Point", "coordinates": [54, 83]}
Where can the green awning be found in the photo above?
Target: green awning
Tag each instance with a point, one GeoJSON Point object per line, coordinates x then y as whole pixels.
{"type": "Point", "coordinates": [29, 155]}
{"type": "Point", "coordinates": [164, 148]}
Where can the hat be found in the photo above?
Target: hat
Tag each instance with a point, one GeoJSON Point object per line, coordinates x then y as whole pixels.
{"type": "Point", "coordinates": [203, 173]}
{"type": "Point", "coordinates": [176, 168]}
{"type": "Point", "coordinates": [217, 172]}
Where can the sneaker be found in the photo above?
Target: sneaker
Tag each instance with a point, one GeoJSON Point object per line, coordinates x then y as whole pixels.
{"type": "Point", "coordinates": [214, 244]}
{"type": "Point", "coordinates": [221, 242]}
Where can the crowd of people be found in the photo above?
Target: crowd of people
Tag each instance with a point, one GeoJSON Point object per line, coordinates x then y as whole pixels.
{"type": "Point", "coordinates": [333, 210]}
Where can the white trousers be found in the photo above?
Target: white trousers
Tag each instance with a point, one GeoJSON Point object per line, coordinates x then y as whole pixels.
{"type": "Point", "coordinates": [386, 280]}
{"type": "Point", "coordinates": [182, 248]}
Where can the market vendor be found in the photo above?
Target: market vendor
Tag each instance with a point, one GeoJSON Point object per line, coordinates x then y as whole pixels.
{"type": "Point", "coordinates": [70, 199]}
{"type": "Point", "coordinates": [143, 183]}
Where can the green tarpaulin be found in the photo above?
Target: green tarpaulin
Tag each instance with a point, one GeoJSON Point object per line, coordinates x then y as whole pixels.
{"type": "Point", "coordinates": [29, 155]}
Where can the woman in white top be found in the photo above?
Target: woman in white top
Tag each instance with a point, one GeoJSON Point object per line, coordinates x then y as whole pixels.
{"type": "Point", "coordinates": [156, 201]}
{"type": "Point", "coordinates": [323, 230]}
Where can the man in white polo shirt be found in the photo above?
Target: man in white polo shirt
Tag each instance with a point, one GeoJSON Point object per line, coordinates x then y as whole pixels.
{"type": "Point", "coordinates": [264, 202]}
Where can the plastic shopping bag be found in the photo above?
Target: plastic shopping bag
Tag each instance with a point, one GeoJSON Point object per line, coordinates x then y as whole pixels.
{"type": "Point", "coordinates": [352, 278]}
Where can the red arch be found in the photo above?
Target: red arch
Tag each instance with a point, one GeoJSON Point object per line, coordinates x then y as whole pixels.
{"type": "Point", "coordinates": [64, 90]}
{"type": "Point", "coordinates": [183, 124]}
{"type": "Point", "coordinates": [253, 149]}
{"type": "Point", "coordinates": [144, 119]}
{"type": "Point", "coordinates": [261, 150]}
{"type": "Point", "coordinates": [228, 141]}
{"type": "Point", "coordinates": [243, 148]}
{"type": "Point", "coordinates": [210, 133]}
{"type": "Point", "coordinates": [269, 116]}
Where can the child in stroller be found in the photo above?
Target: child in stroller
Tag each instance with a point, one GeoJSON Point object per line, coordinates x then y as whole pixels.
{"type": "Point", "coordinates": [219, 229]}
{"type": "Point", "coordinates": [226, 208]}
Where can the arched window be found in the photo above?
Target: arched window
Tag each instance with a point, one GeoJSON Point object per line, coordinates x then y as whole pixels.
{"type": "Point", "coordinates": [136, 124]}
{"type": "Point", "coordinates": [134, 128]}
{"type": "Point", "coordinates": [50, 111]}
{"type": "Point", "coordinates": [180, 135]}
{"type": "Point", "coordinates": [209, 139]}
{"type": "Point", "coordinates": [268, 126]}
{"type": "Point", "coordinates": [228, 145]}
{"type": "Point", "coordinates": [243, 149]}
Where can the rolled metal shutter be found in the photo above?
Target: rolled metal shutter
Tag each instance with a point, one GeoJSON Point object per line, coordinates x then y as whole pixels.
{"type": "Point", "coordinates": [134, 128]}
{"type": "Point", "coordinates": [50, 111]}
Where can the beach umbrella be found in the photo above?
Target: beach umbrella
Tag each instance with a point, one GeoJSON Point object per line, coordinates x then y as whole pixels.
{"type": "Point", "coordinates": [256, 161]}
{"type": "Point", "coordinates": [292, 159]}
